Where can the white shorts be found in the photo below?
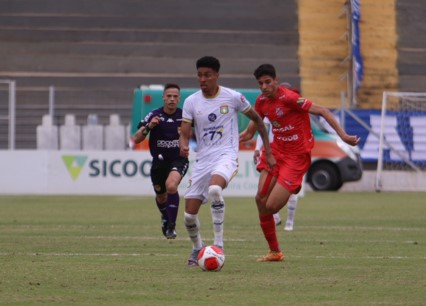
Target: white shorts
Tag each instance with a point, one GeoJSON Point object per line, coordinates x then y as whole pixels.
{"type": "Point", "coordinates": [198, 186]}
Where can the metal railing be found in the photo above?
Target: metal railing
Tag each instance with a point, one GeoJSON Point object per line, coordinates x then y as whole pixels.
{"type": "Point", "coordinates": [11, 117]}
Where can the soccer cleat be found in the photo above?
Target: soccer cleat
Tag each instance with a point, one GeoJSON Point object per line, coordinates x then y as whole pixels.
{"type": "Point", "coordinates": [288, 226]}
{"type": "Point", "coordinates": [277, 219]}
{"type": "Point", "coordinates": [193, 258]}
{"type": "Point", "coordinates": [271, 256]}
{"type": "Point", "coordinates": [171, 232]}
{"type": "Point", "coordinates": [164, 226]}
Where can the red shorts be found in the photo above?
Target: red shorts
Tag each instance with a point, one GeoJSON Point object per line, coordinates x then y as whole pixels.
{"type": "Point", "coordinates": [289, 169]}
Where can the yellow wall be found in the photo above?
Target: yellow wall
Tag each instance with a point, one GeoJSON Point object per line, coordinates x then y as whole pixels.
{"type": "Point", "coordinates": [323, 48]}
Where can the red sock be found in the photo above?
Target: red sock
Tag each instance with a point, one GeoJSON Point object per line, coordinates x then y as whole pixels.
{"type": "Point", "coordinates": [269, 230]}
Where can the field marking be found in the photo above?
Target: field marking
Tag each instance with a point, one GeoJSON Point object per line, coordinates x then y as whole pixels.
{"type": "Point", "coordinates": [299, 227]}
{"type": "Point", "coordinates": [176, 255]}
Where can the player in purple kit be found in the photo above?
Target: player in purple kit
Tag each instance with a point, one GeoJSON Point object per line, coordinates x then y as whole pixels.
{"type": "Point", "coordinates": [168, 167]}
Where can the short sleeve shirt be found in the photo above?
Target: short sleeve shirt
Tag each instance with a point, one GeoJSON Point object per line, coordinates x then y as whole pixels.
{"type": "Point", "coordinates": [288, 113]}
{"type": "Point", "coordinates": [164, 138]}
{"type": "Point", "coordinates": [215, 120]}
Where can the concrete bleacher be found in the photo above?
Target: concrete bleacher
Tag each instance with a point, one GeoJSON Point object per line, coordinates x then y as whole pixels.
{"type": "Point", "coordinates": [95, 56]}
{"type": "Point", "coordinates": [411, 45]}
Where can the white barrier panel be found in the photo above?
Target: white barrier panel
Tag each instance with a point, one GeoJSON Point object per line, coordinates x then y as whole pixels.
{"type": "Point", "coordinates": [97, 173]}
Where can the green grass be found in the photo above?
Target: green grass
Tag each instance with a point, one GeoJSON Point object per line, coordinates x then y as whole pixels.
{"type": "Point", "coordinates": [346, 249]}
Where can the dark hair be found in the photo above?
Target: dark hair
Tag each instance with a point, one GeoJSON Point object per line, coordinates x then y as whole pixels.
{"type": "Point", "coordinates": [171, 85]}
{"type": "Point", "coordinates": [209, 62]}
{"type": "Point", "coordinates": [265, 69]}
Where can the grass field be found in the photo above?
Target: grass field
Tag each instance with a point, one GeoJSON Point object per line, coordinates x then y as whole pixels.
{"type": "Point", "coordinates": [346, 249]}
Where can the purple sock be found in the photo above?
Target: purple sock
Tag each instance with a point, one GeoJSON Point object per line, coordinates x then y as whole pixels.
{"type": "Point", "coordinates": [172, 206]}
{"type": "Point", "coordinates": [162, 207]}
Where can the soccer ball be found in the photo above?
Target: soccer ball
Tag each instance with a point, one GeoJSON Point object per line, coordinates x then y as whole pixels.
{"type": "Point", "coordinates": [211, 258]}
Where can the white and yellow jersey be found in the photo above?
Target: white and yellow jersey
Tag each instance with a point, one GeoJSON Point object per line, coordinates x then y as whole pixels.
{"type": "Point", "coordinates": [215, 120]}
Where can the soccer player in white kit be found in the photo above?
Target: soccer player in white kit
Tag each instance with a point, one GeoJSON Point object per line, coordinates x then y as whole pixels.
{"type": "Point", "coordinates": [213, 112]}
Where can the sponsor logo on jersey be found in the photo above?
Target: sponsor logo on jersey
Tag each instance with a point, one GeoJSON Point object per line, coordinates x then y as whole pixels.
{"type": "Point", "coordinates": [168, 143]}
{"type": "Point", "coordinates": [284, 129]}
{"type": "Point", "coordinates": [213, 135]}
{"type": "Point", "coordinates": [224, 109]}
{"type": "Point", "coordinates": [294, 137]}
{"type": "Point", "coordinates": [212, 117]}
{"type": "Point", "coordinates": [279, 112]}
{"type": "Point", "coordinates": [170, 120]}
{"type": "Point", "coordinates": [275, 124]}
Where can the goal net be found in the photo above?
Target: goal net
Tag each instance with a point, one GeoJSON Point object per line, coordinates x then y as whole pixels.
{"type": "Point", "coordinates": [401, 162]}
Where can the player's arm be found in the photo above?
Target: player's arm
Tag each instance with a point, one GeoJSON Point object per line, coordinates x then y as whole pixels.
{"type": "Point", "coordinates": [260, 126]}
{"type": "Point", "coordinates": [185, 134]}
{"type": "Point", "coordinates": [328, 116]}
{"type": "Point", "coordinates": [144, 129]}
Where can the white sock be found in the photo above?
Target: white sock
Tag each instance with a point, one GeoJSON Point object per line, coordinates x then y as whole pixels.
{"type": "Point", "coordinates": [217, 209]}
{"type": "Point", "coordinates": [192, 225]}
{"type": "Point", "coordinates": [291, 208]}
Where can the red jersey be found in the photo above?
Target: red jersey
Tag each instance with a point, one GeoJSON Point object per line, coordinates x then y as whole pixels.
{"type": "Point", "coordinates": [290, 122]}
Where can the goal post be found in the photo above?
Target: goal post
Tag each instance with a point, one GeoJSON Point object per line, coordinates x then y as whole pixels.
{"type": "Point", "coordinates": [401, 164]}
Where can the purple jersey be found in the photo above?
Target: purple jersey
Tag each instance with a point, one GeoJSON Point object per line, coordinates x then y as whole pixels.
{"type": "Point", "coordinates": [164, 138]}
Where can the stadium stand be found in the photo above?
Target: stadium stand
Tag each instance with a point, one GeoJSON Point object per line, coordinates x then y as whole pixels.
{"type": "Point", "coordinates": [95, 56]}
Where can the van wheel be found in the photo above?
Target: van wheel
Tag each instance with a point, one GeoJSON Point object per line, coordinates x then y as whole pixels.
{"type": "Point", "coordinates": [324, 177]}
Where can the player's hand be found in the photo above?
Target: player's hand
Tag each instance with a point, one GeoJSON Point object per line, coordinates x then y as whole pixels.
{"type": "Point", "coordinates": [352, 140]}
{"type": "Point", "coordinates": [184, 151]}
{"type": "Point", "coordinates": [256, 155]}
{"type": "Point", "coordinates": [270, 160]}
{"type": "Point", "coordinates": [154, 122]}
{"type": "Point", "coordinates": [245, 136]}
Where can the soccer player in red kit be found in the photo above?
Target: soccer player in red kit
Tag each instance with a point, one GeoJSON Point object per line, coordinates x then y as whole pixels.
{"type": "Point", "coordinates": [293, 141]}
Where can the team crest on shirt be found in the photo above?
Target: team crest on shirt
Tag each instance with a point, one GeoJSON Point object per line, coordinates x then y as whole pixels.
{"type": "Point", "coordinates": [212, 117]}
{"type": "Point", "coordinates": [224, 109]}
{"type": "Point", "coordinates": [279, 112]}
